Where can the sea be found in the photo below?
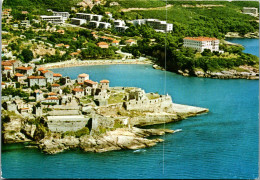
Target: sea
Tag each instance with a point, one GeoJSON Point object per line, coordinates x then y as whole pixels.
{"type": "Point", "coordinates": [218, 145]}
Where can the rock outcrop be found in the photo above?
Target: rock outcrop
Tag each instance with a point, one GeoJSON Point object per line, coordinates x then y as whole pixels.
{"type": "Point", "coordinates": [121, 138]}
{"type": "Point", "coordinates": [227, 74]}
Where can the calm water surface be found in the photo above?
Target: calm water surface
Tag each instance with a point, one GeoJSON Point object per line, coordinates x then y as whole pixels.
{"type": "Point", "coordinates": [220, 144]}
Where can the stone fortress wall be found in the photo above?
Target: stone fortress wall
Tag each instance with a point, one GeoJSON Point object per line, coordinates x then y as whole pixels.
{"type": "Point", "coordinates": [67, 123]}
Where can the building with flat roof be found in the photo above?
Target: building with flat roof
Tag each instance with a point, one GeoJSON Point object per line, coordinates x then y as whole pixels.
{"type": "Point", "coordinates": [65, 15]}
{"type": "Point", "coordinates": [201, 43]}
{"type": "Point", "coordinates": [52, 19]}
{"type": "Point", "coordinates": [252, 11]}
{"type": "Point", "coordinates": [159, 26]}
{"type": "Point", "coordinates": [78, 21]}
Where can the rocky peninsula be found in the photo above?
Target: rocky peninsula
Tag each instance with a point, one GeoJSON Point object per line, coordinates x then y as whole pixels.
{"type": "Point", "coordinates": [109, 120]}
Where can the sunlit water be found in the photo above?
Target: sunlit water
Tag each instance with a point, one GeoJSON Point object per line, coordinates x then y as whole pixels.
{"type": "Point", "coordinates": [220, 144]}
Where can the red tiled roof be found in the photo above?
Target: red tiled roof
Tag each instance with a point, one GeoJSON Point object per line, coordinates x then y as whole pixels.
{"type": "Point", "coordinates": [41, 69]}
{"type": "Point", "coordinates": [2, 83]}
{"type": "Point", "coordinates": [36, 77]}
{"type": "Point", "coordinates": [201, 38]}
{"type": "Point", "coordinates": [90, 82]}
{"type": "Point", "coordinates": [115, 41]}
{"type": "Point", "coordinates": [104, 81]}
{"type": "Point", "coordinates": [74, 53]}
{"type": "Point", "coordinates": [130, 40]}
{"type": "Point", "coordinates": [46, 71]}
{"type": "Point", "coordinates": [102, 43]}
{"type": "Point", "coordinates": [77, 89]}
{"type": "Point", "coordinates": [7, 68]}
{"type": "Point", "coordinates": [52, 98]}
{"type": "Point", "coordinates": [24, 108]}
{"type": "Point", "coordinates": [19, 75]}
{"type": "Point", "coordinates": [24, 68]}
{"type": "Point", "coordinates": [57, 75]}
{"type": "Point", "coordinates": [55, 85]}
{"type": "Point", "coordinates": [83, 75]}
{"type": "Point", "coordinates": [6, 63]}
{"type": "Point", "coordinates": [52, 94]}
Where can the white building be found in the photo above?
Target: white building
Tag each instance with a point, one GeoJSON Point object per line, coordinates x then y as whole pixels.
{"type": "Point", "coordinates": [65, 15]}
{"type": "Point", "coordinates": [252, 11]}
{"type": "Point", "coordinates": [52, 19]}
{"type": "Point", "coordinates": [157, 25]}
{"type": "Point", "coordinates": [121, 28]}
{"type": "Point", "coordinates": [201, 43]}
{"type": "Point", "coordinates": [104, 25]}
{"type": "Point", "coordinates": [25, 23]}
{"type": "Point", "coordinates": [97, 17]}
{"type": "Point", "coordinates": [78, 21]}
{"type": "Point", "coordinates": [119, 22]}
{"type": "Point", "coordinates": [94, 24]}
{"type": "Point", "coordinates": [85, 16]}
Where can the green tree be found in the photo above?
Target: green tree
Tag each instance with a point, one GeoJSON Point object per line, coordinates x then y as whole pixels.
{"type": "Point", "coordinates": [27, 55]}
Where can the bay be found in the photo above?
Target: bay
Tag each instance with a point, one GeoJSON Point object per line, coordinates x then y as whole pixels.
{"type": "Point", "coordinates": [220, 144]}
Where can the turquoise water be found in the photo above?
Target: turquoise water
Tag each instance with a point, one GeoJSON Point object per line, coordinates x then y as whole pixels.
{"type": "Point", "coordinates": [251, 45]}
{"type": "Point", "coordinates": [220, 144]}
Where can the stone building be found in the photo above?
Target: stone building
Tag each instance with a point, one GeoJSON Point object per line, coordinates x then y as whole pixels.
{"type": "Point", "coordinates": [83, 77]}
{"type": "Point", "coordinates": [56, 76]}
{"type": "Point", "coordinates": [104, 84]}
{"type": "Point", "coordinates": [25, 70]}
{"type": "Point", "coordinates": [38, 95]}
{"type": "Point", "coordinates": [91, 83]}
{"type": "Point", "coordinates": [19, 77]}
{"type": "Point", "coordinates": [78, 92]}
{"type": "Point", "coordinates": [37, 80]}
{"type": "Point", "coordinates": [55, 88]}
{"type": "Point", "coordinates": [48, 75]}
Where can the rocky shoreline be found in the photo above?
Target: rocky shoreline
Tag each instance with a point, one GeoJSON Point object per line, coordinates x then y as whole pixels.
{"type": "Point", "coordinates": [131, 137]}
{"type": "Point", "coordinates": [119, 139]}
{"type": "Point", "coordinates": [237, 35]}
{"type": "Point", "coordinates": [249, 73]}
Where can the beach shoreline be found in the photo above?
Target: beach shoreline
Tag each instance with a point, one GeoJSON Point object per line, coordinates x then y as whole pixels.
{"type": "Point", "coordinates": [74, 63]}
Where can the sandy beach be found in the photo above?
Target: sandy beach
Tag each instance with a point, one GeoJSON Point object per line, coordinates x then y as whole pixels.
{"type": "Point", "coordinates": [72, 63]}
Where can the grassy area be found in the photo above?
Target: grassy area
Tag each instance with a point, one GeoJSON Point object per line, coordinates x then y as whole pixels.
{"type": "Point", "coordinates": [116, 98]}
{"type": "Point", "coordinates": [86, 99]}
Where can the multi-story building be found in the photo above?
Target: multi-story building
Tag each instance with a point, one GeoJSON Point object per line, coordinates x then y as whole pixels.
{"type": "Point", "coordinates": [201, 43]}
{"type": "Point", "coordinates": [85, 16]}
{"type": "Point", "coordinates": [65, 15]}
{"type": "Point", "coordinates": [159, 26]}
{"type": "Point", "coordinates": [94, 24]}
{"type": "Point", "coordinates": [104, 25]}
{"type": "Point", "coordinates": [252, 11]}
{"type": "Point", "coordinates": [78, 21]}
{"type": "Point", "coordinates": [52, 19]}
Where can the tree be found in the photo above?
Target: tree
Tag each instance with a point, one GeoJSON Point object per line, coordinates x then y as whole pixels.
{"type": "Point", "coordinates": [27, 55]}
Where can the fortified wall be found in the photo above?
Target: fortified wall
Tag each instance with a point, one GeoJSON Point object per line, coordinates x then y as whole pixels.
{"type": "Point", "coordinates": [159, 104]}
{"type": "Point", "coordinates": [67, 123]}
